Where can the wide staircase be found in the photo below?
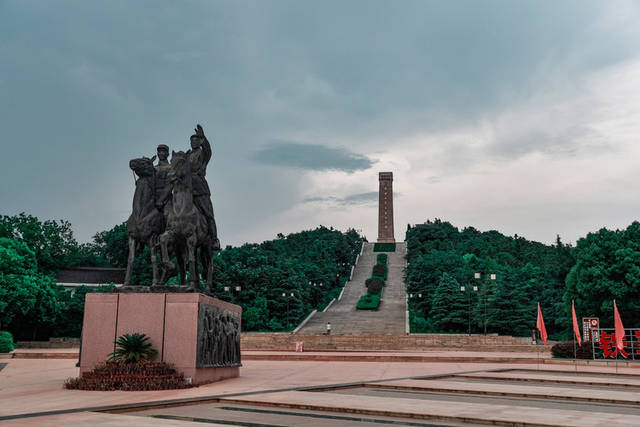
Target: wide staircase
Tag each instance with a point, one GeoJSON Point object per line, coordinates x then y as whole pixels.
{"type": "Point", "coordinates": [390, 317]}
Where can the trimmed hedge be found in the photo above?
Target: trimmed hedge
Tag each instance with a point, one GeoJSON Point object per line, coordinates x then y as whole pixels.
{"type": "Point", "coordinates": [382, 259]}
{"type": "Point", "coordinates": [565, 350]}
{"type": "Point", "coordinates": [384, 247]}
{"type": "Point", "coordinates": [380, 270]}
{"type": "Point", "coordinates": [6, 342]}
{"type": "Point", "coordinates": [374, 285]}
{"type": "Point", "coordinates": [369, 302]}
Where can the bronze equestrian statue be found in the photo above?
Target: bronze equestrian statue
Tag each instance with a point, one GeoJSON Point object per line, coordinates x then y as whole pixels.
{"type": "Point", "coordinates": [172, 211]}
{"type": "Point", "coordinates": [190, 223]}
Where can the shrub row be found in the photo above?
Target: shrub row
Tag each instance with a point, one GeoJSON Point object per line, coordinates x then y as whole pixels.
{"type": "Point", "coordinates": [565, 350]}
{"type": "Point", "coordinates": [6, 342]}
{"type": "Point", "coordinates": [384, 247]}
{"type": "Point", "coordinates": [368, 302]}
{"type": "Point", "coordinates": [382, 259]}
{"type": "Point", "coordinates": [374, 285]}
{"type": "Point", "coordinates": [380, 270]}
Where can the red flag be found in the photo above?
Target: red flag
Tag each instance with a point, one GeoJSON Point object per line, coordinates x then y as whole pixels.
{"type": "Point", "coordinates": [619, 328]}
{"type": "Point", "coordinates": [540, 326]}
{"type": "Point", "coordinates": [576, 330]}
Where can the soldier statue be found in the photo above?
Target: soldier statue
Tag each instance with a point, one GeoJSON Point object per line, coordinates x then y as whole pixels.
{"type": "Point", "coordinates": [163, 186]}
{"type": "Point", "coordinates": [199, 157]}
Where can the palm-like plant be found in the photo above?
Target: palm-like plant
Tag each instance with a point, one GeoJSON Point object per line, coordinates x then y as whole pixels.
{"type": "Point", "coordinates": [132, 348]}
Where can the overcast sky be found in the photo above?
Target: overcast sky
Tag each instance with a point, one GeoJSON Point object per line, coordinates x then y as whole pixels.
{"type": "Point", "coordinates": [518, 116]}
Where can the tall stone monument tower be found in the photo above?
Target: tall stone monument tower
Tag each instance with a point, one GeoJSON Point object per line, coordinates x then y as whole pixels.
{"type": "Point", "coordinates": [385, 208]}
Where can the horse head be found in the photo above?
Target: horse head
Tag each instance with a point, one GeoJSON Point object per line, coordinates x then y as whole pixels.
{"type": "Point", "coordinates": [143, 166]}
{"type": "Point", "coordinates": [180, 166]}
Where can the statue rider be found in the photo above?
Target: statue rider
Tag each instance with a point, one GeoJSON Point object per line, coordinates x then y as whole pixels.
{"type": "Point", "coordinates": [199, 157]}
{"type": "Point", "coordinates": [163, 186]}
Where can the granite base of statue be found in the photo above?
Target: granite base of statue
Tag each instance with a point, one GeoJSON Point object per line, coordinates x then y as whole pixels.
{"type": "Point", "coordinates": [198, 334]}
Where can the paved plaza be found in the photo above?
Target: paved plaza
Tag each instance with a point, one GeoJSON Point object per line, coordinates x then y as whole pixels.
{"type": "Point", "coordinates": [320, 392]}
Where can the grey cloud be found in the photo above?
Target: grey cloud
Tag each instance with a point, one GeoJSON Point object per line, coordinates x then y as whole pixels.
{"type": "Point", "coordinates": [97, 83]}
{"type": "Point", "coordinates": [352, 199]}
{"type": "Point", "coordinates": [311, 157]}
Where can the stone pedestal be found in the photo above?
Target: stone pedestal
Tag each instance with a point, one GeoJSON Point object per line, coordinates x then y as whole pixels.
{"type": "Point", "coordinates": [199, 335]}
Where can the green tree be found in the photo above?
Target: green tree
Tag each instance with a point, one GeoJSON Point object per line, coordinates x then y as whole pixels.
{"type": "Point", "coordinates": [607, 268]}
{"type": "Point", "coordinates": [29, 300]}
{"type": "Point", "coordinates": [51, 241]}
{"type": "Point", "coordinates": [449, 313]}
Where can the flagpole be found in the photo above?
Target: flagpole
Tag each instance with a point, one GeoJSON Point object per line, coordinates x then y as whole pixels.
{"type": "Point", "coordinates": [574, 342]}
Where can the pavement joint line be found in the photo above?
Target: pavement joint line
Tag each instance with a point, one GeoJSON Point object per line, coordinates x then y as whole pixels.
{"type": "Point", "coordinates": [524, 395]}
{"type": "Point", "coordinates": [549, 380]}
{"type": "Point", "coordinates": [383, 412]}
{"type": "Point", "coordinates": [211, 398]}
{"type": "Point", "coordinates": [324, 416]}
{"type": "Point", "coordinates": [212, 421]}
{"type": "Point", "coordinates": [512, 398]}
{"type": "Point", "coordinates": [594, 373]}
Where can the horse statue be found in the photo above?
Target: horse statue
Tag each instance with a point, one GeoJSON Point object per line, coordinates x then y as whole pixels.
{"type": "Point", "coordinates": [146, 223]}
{"type": "Point", "coordinates": [186, 228]}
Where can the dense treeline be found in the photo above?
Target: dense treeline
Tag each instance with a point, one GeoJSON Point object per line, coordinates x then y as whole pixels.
{"type": "Point", "coordinates": [443, 258]}
{"type": "Point", "coordinates": [312, 265]}
{"type": "Point", "coordinates": [601, 267]}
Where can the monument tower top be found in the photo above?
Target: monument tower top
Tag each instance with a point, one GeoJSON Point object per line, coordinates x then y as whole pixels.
{"type": "Point", "coordinates": [385, 208]}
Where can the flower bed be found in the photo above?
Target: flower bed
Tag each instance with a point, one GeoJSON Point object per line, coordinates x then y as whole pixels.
{"type": "Point", "coordinates": [565, 350]}
{"type": "Point", "coordinates": [374, 285]}
{"type": "Point", "coordinates": [129, 377]}
{"type": "Point", "coordinates": [380, 270]}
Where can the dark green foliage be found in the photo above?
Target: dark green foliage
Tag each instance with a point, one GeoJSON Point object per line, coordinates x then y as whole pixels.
{"type": "Point", "coordinates": [514, 301]}
{"type": "Point", "coordinates": [607, 268]}
{"type": "Point", "coordinates": [69, 320]}
{"type": "Point", "coordinates": [51, 241]}
{"type": "Point", "coordinates": [132, 348]}
{"type": "Point", "coordinates": [374, 285]}
{"type": "Point", "coordinates": [29, 299]}
{"type": "Point", "coordinates": [380, 270]}
{"type": "Point", "coordinates": [381, 259]}
{"type": "Point", "coordinates": [566, 349]}
{"type": "Point", "coordinates": [527, 272]}
{"type": "Point", "coordinates": [449, 312]}
{"type": "Point", "coordinates": [289, 264]}
{"type": "Point", "coordinates": [33, 307]}
{"type": "Point", "coordinates": [384, 247]}
{"type": "Point", "coordinates": [6, 342]}
{"type": "Point", "coordinates": [368, 302]}
{"type": "Point", "coordinates": [110, 248]}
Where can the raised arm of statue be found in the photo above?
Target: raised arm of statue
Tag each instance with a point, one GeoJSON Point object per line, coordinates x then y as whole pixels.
{"type": "Point", "coordinates": [206, 146]}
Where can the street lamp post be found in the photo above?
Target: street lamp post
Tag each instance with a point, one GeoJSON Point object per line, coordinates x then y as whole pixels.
{"type": "Point", "coordinates": [232, 290]}
{"type": "Point", "coordinates": [491, 276]}
{"type": "Point", "coordinates": [284, 295]}
{"type": "Point", "coordinates": [475, 289]}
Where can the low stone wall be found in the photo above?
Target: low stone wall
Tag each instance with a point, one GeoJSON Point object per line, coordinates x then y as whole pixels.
{"type": "Point", "coordinates": [416, 342]}
{"type": "Point", "coordinates": [52, 343]}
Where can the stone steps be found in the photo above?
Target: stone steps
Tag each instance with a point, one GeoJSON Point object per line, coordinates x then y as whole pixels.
{"type": "Point", "coordinates": [389, 342]}
{"type": "Point", "coordinates": [389, 319]}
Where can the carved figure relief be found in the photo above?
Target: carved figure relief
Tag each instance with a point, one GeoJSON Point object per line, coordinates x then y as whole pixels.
{"type": "Point", "coordinates": [218, 337]}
